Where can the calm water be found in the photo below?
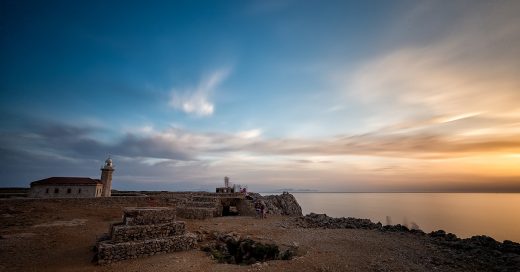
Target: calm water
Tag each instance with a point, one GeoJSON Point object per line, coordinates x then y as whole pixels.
{"type": "Point", "coordinates": [465, 214]}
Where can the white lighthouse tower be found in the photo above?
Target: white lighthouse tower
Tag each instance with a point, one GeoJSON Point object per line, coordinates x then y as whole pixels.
{"type": "Point", "coordinates": [106, 177]}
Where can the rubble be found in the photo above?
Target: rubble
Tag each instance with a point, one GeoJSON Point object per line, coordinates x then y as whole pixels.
{"type": "Point", "coordinates": [233, 249]}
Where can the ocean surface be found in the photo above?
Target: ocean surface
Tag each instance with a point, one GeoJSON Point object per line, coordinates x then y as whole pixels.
{"type": "Point", "coordinates": [464, 214]}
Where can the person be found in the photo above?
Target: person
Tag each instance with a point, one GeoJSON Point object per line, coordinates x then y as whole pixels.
{"type": "Point", "coordinates": [258, 208]}
{"type": "Point", "coordinates": [263, 209]}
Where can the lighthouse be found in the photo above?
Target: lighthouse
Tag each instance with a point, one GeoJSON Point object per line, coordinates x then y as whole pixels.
{"type": "Point", "coordinates": [106, 177]}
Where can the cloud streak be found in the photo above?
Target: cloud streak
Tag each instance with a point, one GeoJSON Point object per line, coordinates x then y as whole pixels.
{"type": "Point", "coordinates": [470, 68]}
{"type": "Point", "coordinates": [408, 140]}
{"type": "Point", "coordinates": [174, 155]}
{"type": "Point", "coordinates": [197, 100]}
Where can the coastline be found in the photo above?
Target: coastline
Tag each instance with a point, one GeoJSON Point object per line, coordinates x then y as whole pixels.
{"type": "Point", "coordinates": [465, 214]}
{"type": "Point", "coordinates": [50, 236]}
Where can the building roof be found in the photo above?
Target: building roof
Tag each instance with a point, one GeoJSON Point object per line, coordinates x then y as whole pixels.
{"type": "Point", "coordinates": [67, 181]}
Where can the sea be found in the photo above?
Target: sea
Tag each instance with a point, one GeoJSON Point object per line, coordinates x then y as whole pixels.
{"type": "Point", "coordinates": [464, 214]}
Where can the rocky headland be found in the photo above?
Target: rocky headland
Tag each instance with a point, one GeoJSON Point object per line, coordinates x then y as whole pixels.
{"type": "Point", "coordinates": [59, 235]}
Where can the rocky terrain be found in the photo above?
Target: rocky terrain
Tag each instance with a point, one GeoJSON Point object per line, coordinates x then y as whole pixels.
{"type": "Point", "coordinates": [477, 252]}
{"type": "Point", "coordinates": [53, 236]}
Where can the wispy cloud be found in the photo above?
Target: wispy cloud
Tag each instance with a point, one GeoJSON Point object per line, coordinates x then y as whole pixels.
{"type": "Point", "coordinates": [173, 154]}
{"type": "Point", "coordinates": [471, 68]}
{"type": "Point", "coordinates": [250, 134]}
{"type": "Point", "coordinates": [451, 95]}
{"type": "Point", "coordinates": [197, 100]}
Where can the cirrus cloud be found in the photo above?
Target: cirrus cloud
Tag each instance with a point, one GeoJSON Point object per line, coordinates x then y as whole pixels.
{"type": "Point", "coordinates": [197, 100]}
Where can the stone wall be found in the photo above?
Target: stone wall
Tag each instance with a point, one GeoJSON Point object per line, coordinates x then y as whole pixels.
{"type": "Point", "coordinates": [124, 233]}
{"type": "Point", "coordinates": [109, 252]}
{"type": "Point", "coordinates": [246, 207]}
{"type": "Point", "coordinates": [188, 212]}
{"type": "Point", "coordinates": [200, 206]}
{"type": "Point", "coordinates": [102, 202]}
{"type": "Point", "coordinates": [189, 205]}
{"type": "Point", "coordinates": [148, 215]}
{"type": "Point", "coordinates": [145, 231]}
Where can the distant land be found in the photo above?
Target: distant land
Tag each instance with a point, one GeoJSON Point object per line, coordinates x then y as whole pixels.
{"type": "Point", "coordinates": [292, 190]}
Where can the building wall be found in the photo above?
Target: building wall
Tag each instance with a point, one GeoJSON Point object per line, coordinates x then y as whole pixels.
{"type": "Point", "coordinates": [65, 191]}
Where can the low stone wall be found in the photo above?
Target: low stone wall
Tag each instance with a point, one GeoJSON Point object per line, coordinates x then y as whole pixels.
{"type": "Point", "coordinates": [195, 212]}
{"type": "Point", "coordinates": [201, 204]}
{"type": "Point", "coordinates": [148, 215]}
{"type": "Point", "coordinates": [145, 231]}
{"type": "Point", "coordinates": [204, 198]}
{"type": "Point", "coordinates": [123, 233]}
{"type": "Point", "coordinates": [109, 252]}
{"type": "Point", "coordinates": [105, 202]}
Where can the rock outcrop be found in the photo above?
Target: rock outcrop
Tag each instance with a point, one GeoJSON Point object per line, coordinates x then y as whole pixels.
{"type": "Point", "coordinates": [480, 251]}
{"type": "Point", "coordinates": [284, 204]}
{"type": "Point", "coordinates": [314, 220]}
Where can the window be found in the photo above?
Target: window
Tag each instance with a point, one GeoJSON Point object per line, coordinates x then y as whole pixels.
{"type": "Point", "coordinates": [79, 191]}
{"type": "Point", "coordinates": [56, 190]}
{"type": "Point", "coordinates": [69, 190]}
{"type": "Point", "coordinates": [47, 191]}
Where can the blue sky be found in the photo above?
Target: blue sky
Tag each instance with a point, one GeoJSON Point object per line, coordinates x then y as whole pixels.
{"type": "Point", "coordinates": [325, 95]}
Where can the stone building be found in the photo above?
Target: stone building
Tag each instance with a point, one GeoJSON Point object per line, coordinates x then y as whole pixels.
{"type": "Point", "coordinates": [63, 187]}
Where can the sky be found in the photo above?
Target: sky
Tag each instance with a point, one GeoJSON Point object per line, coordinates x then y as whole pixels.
{"type": "Point", "coordinates": [356, 96]}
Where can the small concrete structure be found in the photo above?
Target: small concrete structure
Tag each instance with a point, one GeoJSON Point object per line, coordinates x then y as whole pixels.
{"type": "Point", "coordinates": [145, 232]}
{"type": "Point", "coordinates": [227, 188]}
{"type": "Point", "coordinates": [208, 205]}
{"type": "Point", "coordinates": [74, 187]}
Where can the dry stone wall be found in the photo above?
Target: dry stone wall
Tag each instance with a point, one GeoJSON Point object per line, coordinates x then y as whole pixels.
{"type": "Point", "coordinates": [124, 233]}
{"type": "Point", "coordinates": [102, 202]}
{"type": "Point", "coordinates": [109, 252]}
{"type": "Point", "coordinates": [145, 232]}
{"type": "Point", "coordinates": [203, 206]}
{"type": "Point", "coordinates": [188, 212]}
{"type": "Point", "coordinates": [148, 216]}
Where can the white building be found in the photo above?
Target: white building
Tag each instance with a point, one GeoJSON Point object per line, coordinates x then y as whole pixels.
{"type": "Point", "coordinates": [60, 187]}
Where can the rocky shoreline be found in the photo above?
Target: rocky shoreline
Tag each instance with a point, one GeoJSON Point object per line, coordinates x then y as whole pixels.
{"type": "Point", "coordinates": [34, 238]}
{"type": "Point", "coordinates": [477, 252]}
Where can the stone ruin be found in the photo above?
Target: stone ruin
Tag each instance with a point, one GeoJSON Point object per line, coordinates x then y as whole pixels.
{"type": "Point", "coordinates": [145, 232]}
{"type": "Point", "coordinates": [148, 231]}
{"type": "Point", "coordinates": [200, 207]}
{"type": "Point", "coordinates": [208, 205]}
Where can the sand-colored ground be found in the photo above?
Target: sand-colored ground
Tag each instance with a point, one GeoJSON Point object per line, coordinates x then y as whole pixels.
{"type": "Point", "coordinates": [56, 238]}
